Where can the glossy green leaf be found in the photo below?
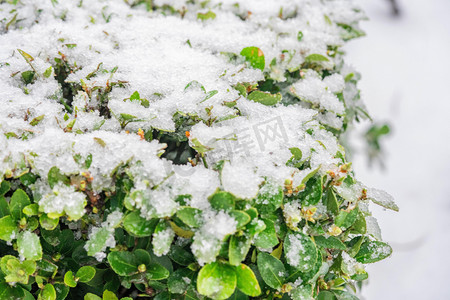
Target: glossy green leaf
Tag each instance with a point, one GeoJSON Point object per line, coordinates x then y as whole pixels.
{"type": "Point", "coordinates": [267, 238]}
{"type": "Point", "coordinates": [90, 296]}
{"type": "Point", "coordinates": [264, 98]}
{"type": "Point", "coordinates": [54, 176]}
{"type": "Point", "coordinates": [238, 249]}
{"type": "Point", "coordinates": [300, 251]}
{"type": "Point", "coordinates": [48, 223]}
{"type": "Point", "coordinates": [315, 58]}
{"type": "Point", "coordinates": [123, 263]}
{"type": "Point", "coordinates": [246, 281]}
{"type": "Point", "coordinates": [312, 194]}
{"type": "Point", "coordinates": [180, 280]}
{"type": "Point", "coordinates": [190, 216]}
{"type": "Point", "coordinates": [156, 271]}
{"type": "Point", "coordinates": [69, 279]}
{"type": "Point", "coordinates": [222, 201]}
{"type": "Point", "coordinates": [138, 226]}
{"type": "Point", "coordinates": [108, 295]}
{"type": "Point", "coordinates": [85, 274]}
{"type": "Point", "coordinates": [330, 242]}
{"type": "Point", "coordinates": [346, 219]}
{"type": "Point", "coordinates": [373, 251]}
{"type": "Point", "coordinates": [216, 280]}
{"type": "Point", "coordinates": [241, 217]}
{"type": "Point", "coordinates": [29, 245]}
{"type": "Point", "coordinates": [8, 228]}
{"type": "Point", "coordinates": [255, 57]}
{"type": "Point", "coordinates": [48, 292]}
{"type": "Point", "coordinates": [271, 269]}
{"type": "Point", "coordinates": [17, 203]}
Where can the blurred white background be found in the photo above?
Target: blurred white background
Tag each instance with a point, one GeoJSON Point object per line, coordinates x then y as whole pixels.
{"type": "Point", "coordinates": [405, 65]}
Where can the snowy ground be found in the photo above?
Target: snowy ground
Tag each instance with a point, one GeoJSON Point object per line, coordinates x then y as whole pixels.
{"type": "Point", "coordinates": [404, 63]}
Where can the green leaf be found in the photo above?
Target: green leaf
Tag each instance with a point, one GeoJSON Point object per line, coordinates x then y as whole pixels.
{"type": "Point", "coordinates": [97, 241]}
{"type": "Point", "coordinates": [108, 295]}
{"type": "Point", "coordinates": [29, 245]}
{"type": "Point", "coordinates": [123, 263]}
{"type": "Point", "coordinates": [312, 194]}
{"type": "Point", "coordinates": [90, 296]}
{"type": "Point", "coordinates": [31, 209]}
{"type": "Point", "coordinates": [238, 249]}
{"type": "Point", "coordinates": [315, 58]}
{"type": "Point", "coordinates": [28, 76]}
{"type": "Point", "coordinates": [48, 292]}
{"type": "Point", "coordinates": [255, 57]}
{"type": "Point", "coordinates": [138, 226]}
{"type": "Point", "coordinates": [299, 36]}
{"type": "Point", "coordinates": [216, 280]}
{"type": "Point", "coordinates": [330, 242]}
{"type": "Point", "coordinates": [190, 216]}
{"type": "Point", "coordinates": [69, 280]}
{"type": "Point", "coordinates": [272, 270]}
{"type": "Point", "coordinates": [360, 225]}
{"type": "Point", "coordinates": [54, 176]}
{"type": "Point", "coordinates": [127, 117]}
{"type": "Point", "coordinates": [326, 295]}
{"type": "Point", "coordinates": [8, 228]}
{"type": "Point", "coordinates": [270, 198]}
{"type": "Point", "coordinates": [180, 255]}
{"type": "Point", "coordinates": [180, 280]}
{"type": "Point", "coordinates": [206, 16]}
{"type": "Point", "coordinates": [85, 274]}
{"type": "Point", "coordinates": [346, 219]}
{"type": "Point", "coordinates": [304, 291]}
{"type": "Point", "coordinates": [8, 292]}
{"type": "Point", "coordinates": [264, 98]}
{"type": "Point", "coordinates": [373, 251]}
{"type": "Point", "coordinates": [5, 186]}
{"type": "Point", "coordinates": [135, 96]}
{"type": "Point", "coordinates": [18, 201]}
{"type": "Point", "coordinates": [156, 271]}
{"type": "Point", "coordinates": [241, 217]}
{"type": "Point", "coordinates": [15, 270]}
{"type": "Point", "coordinates": [267, 238]}
{"type": "Point", "coordinates": [48, 72]}
{"type": "Point", "coordinates": [246, 281]}
{"type": "Point", "coordinates": [222, 201]}
{"type": "Point", "coordinates": [48, 223]}
{"type": "Point", "coordinates": [300, 251]}
{"type": "Point", "coordinates": [332, 204]}
{"type": "Point", "coordinates": [61, 291]}
{"type": "Point", "coordinates": [37, 120]}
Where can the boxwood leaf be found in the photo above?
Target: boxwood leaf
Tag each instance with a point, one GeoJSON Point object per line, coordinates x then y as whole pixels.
{"type": "Point", "coordinates": [8, 228]}
{"type": "Point", "coordinates": [255, 57]}
{"type": "Point", "coordinates": [18, 201]}
{"type": "Point", "coordinates": [330, 242]}
{"type": "Point", "coordinates": [156, 272]}
{"type": "Point", "coordinates": [54, 176]}
{"type": "Point", "coordinates": [90, 296]}
{"type": "Point", "coordinates": [138, 226]}
{"type": "Point", "coordinates": [373, 251]}
{"type": "Point", "coordinates": [346, 219]}
{"type": "Point", "coordinates": [48, 292]}
{"type": "Point", "coordinates": [238, 249]}
{"type": "Point", "coordinates": [29, 245]}
{"type": "Point", "coordinates": [190, 216]}
{"type": "Point", "coordinates": [246, 281]}
{"type": "Point", "coordinates": [180, 280]}
{"type": "Point", "coordinates": [216, 280]}
{"type": "Point", "coordinates": [300, 251]}
{"type": "Point", "coordinates": [241, 217]}
{"type": "Point", "coordinates": [222, 201]}
{"type": "Point", "coordinates": [267, 238]}
{"type": "Point", "coordinates": [264, 98]}
{"type": "Point", "coordinates": [271, 269]}
{"type": "Point", "coordinates": [315, 58]}
{"type": "Point", "coordinates": [85, 274]}
{"type": "Point", "coordinates": [69, 280]}
{"type": "Point", "coordinates": [123, 263]}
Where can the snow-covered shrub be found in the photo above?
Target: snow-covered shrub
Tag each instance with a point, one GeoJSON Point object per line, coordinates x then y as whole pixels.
{"type": "Point", "coordinates": [180, 149]}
